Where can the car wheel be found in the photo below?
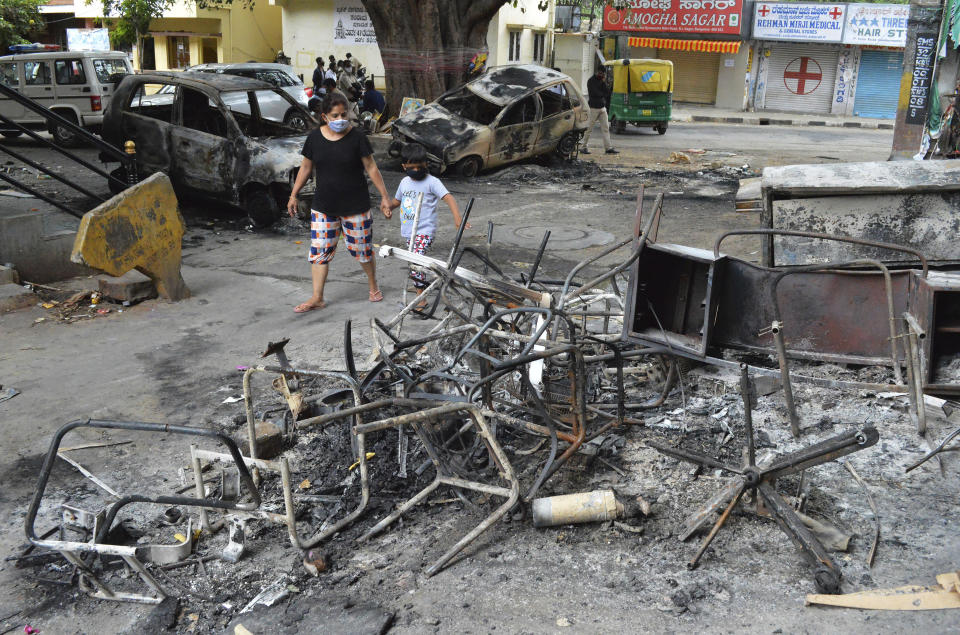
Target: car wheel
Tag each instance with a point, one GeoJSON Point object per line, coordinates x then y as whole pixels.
{"type": "Point", "coordinates": [568, 143]}
{"type": "Point", "coordinates": [261, 208]}
{"type": "Point", "coordinates": [63, 136]}
{"type": "Point", "coordinates": [662, 128]}
{"type": "Point", "coordinates": [296, 120]}
{"type": "Point", "coordinates": [10, 134]}
{"type": "Point", "coordinates": [469, 167]}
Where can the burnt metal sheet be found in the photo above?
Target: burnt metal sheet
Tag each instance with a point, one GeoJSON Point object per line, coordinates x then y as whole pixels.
{"type": "Point", "coordinates": [837, 316]}
{"type": "Point", "coordinates": [672, 298]}
{"type": "Point", "coordinates": [705, 303]}
{"type": "Point", "coordinates": [875, 200]}
{"type": "Point", "coordinates": [924, 221]}
{"type": "Point", "coordinates": [503, 84]}
{"type": "Point", "coordinates": [935, 303]}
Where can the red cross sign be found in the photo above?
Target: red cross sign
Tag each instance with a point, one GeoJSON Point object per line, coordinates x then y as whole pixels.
{"type": "Point", "coordinates": [835, 12]}
{"type": "Point", "coordinates": [763, 10]}
{"type": "Point", "coordinates": [802, 76]}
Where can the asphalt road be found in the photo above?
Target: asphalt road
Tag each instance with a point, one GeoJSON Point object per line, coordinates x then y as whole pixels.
{"type": "Point", "coordinates": [757, 146]}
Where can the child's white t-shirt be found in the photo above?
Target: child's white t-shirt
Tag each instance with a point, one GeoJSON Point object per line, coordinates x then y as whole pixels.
{"type": "Point", "coordinates": [433, 190]}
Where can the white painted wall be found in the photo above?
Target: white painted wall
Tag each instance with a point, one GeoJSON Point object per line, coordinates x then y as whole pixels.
{"type": "Point", "coordinates": [308, 34]}
{"type": "Point", "coordinates": [732, 79]}
{"type": "Point", "coordinates": [527, 19]}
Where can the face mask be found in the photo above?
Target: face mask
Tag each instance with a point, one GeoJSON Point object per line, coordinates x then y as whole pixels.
{"type": "Point", "coordinates": [339, 125]}
{"type": "Point", "coordinates": [417, 174]}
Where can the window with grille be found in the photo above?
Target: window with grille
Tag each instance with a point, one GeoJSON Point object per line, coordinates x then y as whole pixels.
{"type": "Point", "coordinates": [539, 44]}
{"type": "Point", "coordinates": [514, 50]}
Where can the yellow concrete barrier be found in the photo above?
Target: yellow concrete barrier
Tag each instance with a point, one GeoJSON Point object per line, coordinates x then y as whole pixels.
{"type": "Point", "coordinates": [139, 228]}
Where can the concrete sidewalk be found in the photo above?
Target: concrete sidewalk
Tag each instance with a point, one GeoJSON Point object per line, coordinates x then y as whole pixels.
{"type": "Point", "coordinates": [709, 114]}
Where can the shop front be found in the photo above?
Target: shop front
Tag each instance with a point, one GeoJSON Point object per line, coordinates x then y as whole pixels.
{"type": "Point", "coordinates": [702, 38]}
{"type": "Point", "coordinates": [840, 59]}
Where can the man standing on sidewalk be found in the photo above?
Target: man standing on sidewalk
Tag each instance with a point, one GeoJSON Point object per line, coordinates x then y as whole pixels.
{"type": "Point", "coordinates": [597, 100]}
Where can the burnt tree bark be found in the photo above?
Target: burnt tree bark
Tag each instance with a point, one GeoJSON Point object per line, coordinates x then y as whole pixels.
{"type": "Point", "coordinates": [426, 45]}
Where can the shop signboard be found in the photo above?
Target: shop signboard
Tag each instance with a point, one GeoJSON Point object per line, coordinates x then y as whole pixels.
{"type": "Point", "coordinates": [798, 22]}
{"type": "Point", "coordinates": [877, 24]}
{"type": "Point", "coordinates": [715, 17]}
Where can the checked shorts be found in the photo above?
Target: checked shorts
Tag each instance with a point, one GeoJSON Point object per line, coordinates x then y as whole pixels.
{"type": "Point", "coordinates": [421, 243]}
{"type": "Point", "coordinates": [325, 233]}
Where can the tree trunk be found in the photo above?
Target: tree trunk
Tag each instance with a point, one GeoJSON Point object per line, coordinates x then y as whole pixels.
{"type": "Point", "coordinates": [426, 45]}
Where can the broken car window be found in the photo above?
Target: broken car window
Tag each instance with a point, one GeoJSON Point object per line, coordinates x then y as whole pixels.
{"type": "Point", "coordinates": [470, 106]}
{"type": "Point", "coordinates": [524, 111]}
{"type": "Point", "coordinates": [105, 68]}
{"type": "Point", "coordinates": [278, 112]}
{"type": "Point", "coordinates": [555, 100]}
{"type": "Point", "coordinates": [571, 95]}
{"type": "Point", "coordinates": [199, 113]}
{"type": "Point", "coordinates": [154, 101]}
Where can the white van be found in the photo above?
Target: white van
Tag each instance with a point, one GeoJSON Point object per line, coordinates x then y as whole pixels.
{"type": "Point", "coordinates": [74, 84]}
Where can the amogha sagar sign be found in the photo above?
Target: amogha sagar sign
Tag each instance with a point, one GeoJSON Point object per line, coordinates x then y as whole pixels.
{"type": "Point", "coordinates": [675, 16]}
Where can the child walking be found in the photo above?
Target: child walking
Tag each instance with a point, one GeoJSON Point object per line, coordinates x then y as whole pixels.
{"type": "Point", "coordinates": [420, 181]}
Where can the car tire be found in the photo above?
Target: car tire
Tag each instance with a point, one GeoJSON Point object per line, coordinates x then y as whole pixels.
{"type": "Point", "coordinates": [469, 167]}
{"type": "Point", "coordinates": [63, 136]}
{"type": "Point", "coordinates": [296, 120]}
{"type": "Point", "coordinates": [261, 208]}
{"type": "Point", "coordinates": [619, 126]}
{"type": "Point", "coordinates": [662, 128]}
{"type": "Point", "coordinates": [11, 134]}
{"type": "Point", "coordinates": [568, 144]}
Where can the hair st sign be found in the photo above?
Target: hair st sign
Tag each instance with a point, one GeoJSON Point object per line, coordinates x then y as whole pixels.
{"type": "Point", "coordinates": [720, 17]}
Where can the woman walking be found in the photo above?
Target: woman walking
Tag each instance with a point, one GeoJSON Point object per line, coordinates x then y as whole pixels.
{"type": "Point", "coordinates": [341, 202]}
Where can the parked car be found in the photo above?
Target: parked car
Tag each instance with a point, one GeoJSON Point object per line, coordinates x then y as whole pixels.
{"type": "Point", "coordinates": [77, 85]}
{"type": "Point", "coordinates": [507, 114]}
{"type": "Point", "coordinates": [213, 138]}
{"type": "Point", "coordinates": [280, 75]}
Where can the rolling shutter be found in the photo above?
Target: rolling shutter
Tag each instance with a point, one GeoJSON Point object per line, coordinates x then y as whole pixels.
{"type": "Point", "coordinates": [878, 84]}
{"type": "Point", "coordinates": [801, 79]}
{"type": "Point", "coordinates": [694, 75]}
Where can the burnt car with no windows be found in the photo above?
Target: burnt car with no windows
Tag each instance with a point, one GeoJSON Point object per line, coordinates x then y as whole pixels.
{"type": "Point", "coordinates": [216, 136]}
{"type": "Point", "coordinates": [507, 114]}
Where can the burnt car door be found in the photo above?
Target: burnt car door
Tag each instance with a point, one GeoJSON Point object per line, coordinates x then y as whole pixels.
{"type": "Point", "coordinates": [515, 132]}
{"type": "Point", "coordinates": [204, 157]}
{"type": "Point", "coordinates": [557, 119]}
{"type": "Point", "coordinates": [146, 119]}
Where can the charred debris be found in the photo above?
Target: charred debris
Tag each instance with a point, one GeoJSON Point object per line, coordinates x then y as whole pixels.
{"type": "Point", "coordinates": [486, 393]}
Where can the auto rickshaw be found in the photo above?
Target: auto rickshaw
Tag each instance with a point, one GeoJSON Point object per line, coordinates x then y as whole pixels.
{"type": "Point", "coordinates": [642, 93]}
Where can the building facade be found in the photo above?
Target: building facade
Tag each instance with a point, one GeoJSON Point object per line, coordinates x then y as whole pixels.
{"type": "Point", "coordinates": [320, 28]}
{"type": "Point", "coordinates": [187, 35]}
{"type": "Point", "coordinates": [841, 59]}
{"type": "Point", "coordinates": [707, 41]}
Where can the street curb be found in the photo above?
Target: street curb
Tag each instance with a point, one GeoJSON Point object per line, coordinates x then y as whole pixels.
{"type": "Point", "coordinates": [773, 121]}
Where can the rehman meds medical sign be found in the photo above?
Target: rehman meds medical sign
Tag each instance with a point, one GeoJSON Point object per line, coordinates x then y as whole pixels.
{"type": "Point", "coordinates": [798, 22]}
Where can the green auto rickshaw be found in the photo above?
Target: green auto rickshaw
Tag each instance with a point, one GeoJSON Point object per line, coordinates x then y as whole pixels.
{"type": "Point", "coordinates": [642, 93]}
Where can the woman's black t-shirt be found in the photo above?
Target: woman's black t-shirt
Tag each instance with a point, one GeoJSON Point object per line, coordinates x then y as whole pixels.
{"type": "Point", "coordinates": [341, 184]}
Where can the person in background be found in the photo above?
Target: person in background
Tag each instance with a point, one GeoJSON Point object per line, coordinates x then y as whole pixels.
{"type": "Point", "coordinates": [337, 155]}
{"type": "Point", "coordinates": [318, 75]}
{"type": "Point", "coordinates": [597, 101]}
{"type": "Point", "coordinates": [373, 100]}
{"type": "Point", "coordinates": [346, 83]}
{"type": "Point", "coordinates": [355, 63]}
{"type": "Point", "coordinates": [330, 85]}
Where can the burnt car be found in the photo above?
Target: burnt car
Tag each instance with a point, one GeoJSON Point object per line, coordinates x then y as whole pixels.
{"type": "Point", "coordinates": [507, 114]}
{"type": "Point", "coordinates": [216, 136]}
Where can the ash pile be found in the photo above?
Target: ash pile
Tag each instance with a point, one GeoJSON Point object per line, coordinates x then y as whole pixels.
{"type": "Point", "coordinates": [666, 397]}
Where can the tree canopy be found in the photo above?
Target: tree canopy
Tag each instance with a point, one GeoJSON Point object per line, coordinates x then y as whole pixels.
{"type": "Point", "coordinates": [20, 20]}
